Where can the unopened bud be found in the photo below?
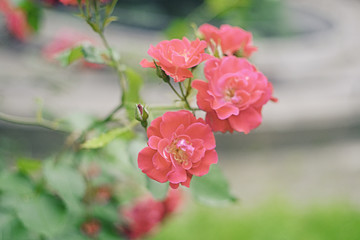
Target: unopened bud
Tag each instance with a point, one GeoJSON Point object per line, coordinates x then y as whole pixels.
{"type": "Point", "coordinates": [141, 115]}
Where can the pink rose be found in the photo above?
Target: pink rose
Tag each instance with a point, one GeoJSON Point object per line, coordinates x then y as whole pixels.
{"type": "Point", "coordinates": [142, 218]}
{"type": "Point", "coordinates": [233, 40]}
{"type": "Point", "coordinates": [176, 56]}
{"type": "Point", "coordinates": [179, 147]}
{"type": "Point", "coordinates": [70, 2]}
{"type": "Point", "coordinates": [16, 23]}
{"type": "Point", "coordinates": [234, 94]}
{"type": "Point", "coordinates": [146, 214]}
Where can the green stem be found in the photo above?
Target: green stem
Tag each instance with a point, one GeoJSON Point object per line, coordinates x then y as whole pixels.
{"type": "Point", "coordinates": [176, 92]}
{"type": "Point", "coordinates": [33, 122]}
{"type": "Point", "coordinates": [188, 89]}
{"type": "Point", "coordinates": [115, 64]}
{"type": "Point", "coordinates": [184, 98]}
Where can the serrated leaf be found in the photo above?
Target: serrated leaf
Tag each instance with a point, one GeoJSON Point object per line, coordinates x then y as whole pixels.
{"type": "Point", "coordinates": [212, 188]}
{"type": "Point", "coordinates": [106, 138]}
{"type": "Point", "coordinates": [158, 190]}
{"type": "Point", "coordinates": [27, 165]}
{"type": "Point", "coordinates": [43, 215]}
{"type": "Point", "coordinates": [66, 182]}
{"type": "Point", "coordinates": [132, 94]}
{"type": "Point", "coordinates": [69, 56]}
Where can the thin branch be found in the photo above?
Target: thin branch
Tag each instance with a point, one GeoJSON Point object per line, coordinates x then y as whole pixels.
{"type": "Point", "coordinates": [33, 122]}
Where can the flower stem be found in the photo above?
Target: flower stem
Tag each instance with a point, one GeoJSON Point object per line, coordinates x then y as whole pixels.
{"type": "Point", "coordinates": [184, 97]}
{"type": "Point", "coordinates": [33, 122]}
{"type": "Point", "coordinates": [176, 92]}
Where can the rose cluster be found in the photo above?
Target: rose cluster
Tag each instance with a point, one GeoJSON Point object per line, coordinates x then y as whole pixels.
{"type": "Point", "coordinates": [232, 96]}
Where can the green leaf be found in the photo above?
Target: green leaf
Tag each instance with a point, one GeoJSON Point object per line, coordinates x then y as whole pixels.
{"type": "Point", "coordinates": [69, 56]}
{"type": "Point", "coordinates": [92, 54]}
{"type": "Point", "coordinates": [110, 20]}
{"type": "Point", "coordinates": [27, 165]}
{"type": "Point", "coordinates": [132, 94]}
{"type": "Point", "coordinates": [33, 13]}
{"type": "Point", "coordinates": [212, 189]}
{"type": "Point", "coordinates": [107, 137]}
{"type": "Point", "coordinates": [66, 182]}
{"type": "Point", "coordinates": [158, 190]}
{"type": "Point", "coordinates": [15, 183]}
{"type": "Point", "coordinates": [12, 228]}
{"type": "Point", "coordinates": [43, 215]}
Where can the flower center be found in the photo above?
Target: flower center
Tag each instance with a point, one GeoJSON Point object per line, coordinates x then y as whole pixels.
{"type": "Point", "coordinates": [181, 150]}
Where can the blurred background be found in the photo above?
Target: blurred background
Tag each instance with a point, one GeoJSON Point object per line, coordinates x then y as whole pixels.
{"type": "Point", "coordinates": [297, 175]}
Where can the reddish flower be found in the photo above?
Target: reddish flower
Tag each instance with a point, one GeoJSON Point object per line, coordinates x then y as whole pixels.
{"type": "Point", "coordinates": [16, 22]}
{"type": "Point", "coordinates": [177, 56]}
{"type": "Point", "coordinates": [143, 217]}
{"type": "Point", "coordinates": [179, 147]}
{"type": "Point", "coordinates": [234, 96]}
{"type": "Point", "coordinates": [5, 6]}
{"type": "Point", "coordinates": [103, 194]}
{"type": "Point", "coordinates": [91, 228]}
{"type": "Point", "coordinates": [75, 2]}
{"type": "Point", "coordinates": [233, 40]}
{"type": "Point", "coordinates": [172, 201]}
{"type": "Point", "coordinates": [66, 39]}
{"type": "Point", "coordinates": [69, 2]}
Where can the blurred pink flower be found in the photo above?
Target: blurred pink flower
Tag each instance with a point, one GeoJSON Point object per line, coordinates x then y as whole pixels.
{"type": "Point", "coordinates": [177, 56]}
{"type": "Point", "coordinates": [146, 214]}
{"type": "Point", "coordinates": [143, 217]}
{"type": "Point", "coordinates": [69, 2]}
{"type": "Point", "coordinates": [16, 20]}
{"type": "Point", "coordinates": [179, 147]}
{"type": "Point", "coordinates": [66, 39]}
{"type": "Point", "coordinates": [91, 228]}
{"type": "Point", "coordinates": [75, 2]}
{"type": "Point", "coordinates": [231, 39]}
{"type": "Point", "coordinates": [172, 201]}
{"type": "Point", "coordinates": [234, 94]}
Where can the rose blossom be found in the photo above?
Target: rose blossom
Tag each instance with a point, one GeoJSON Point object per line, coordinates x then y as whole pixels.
{"type": "Point", "coordinates": [234, 94]}
{"type": "Point", "coordinates": [146, 214]}
{"type": "Point", "coordinates": [176, 56]}
{"type": "Point", "coordinates": [142, 218]}
{"type": "Point", "coordinates": [16, 20]}
{"type": "Point", "coordinates": [179, 147]}
{"type": "Point", "coordinates": [232, 40]}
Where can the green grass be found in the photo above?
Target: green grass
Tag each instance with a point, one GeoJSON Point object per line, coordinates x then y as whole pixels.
{"type": "Point", "coordinates": [274, 220]}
